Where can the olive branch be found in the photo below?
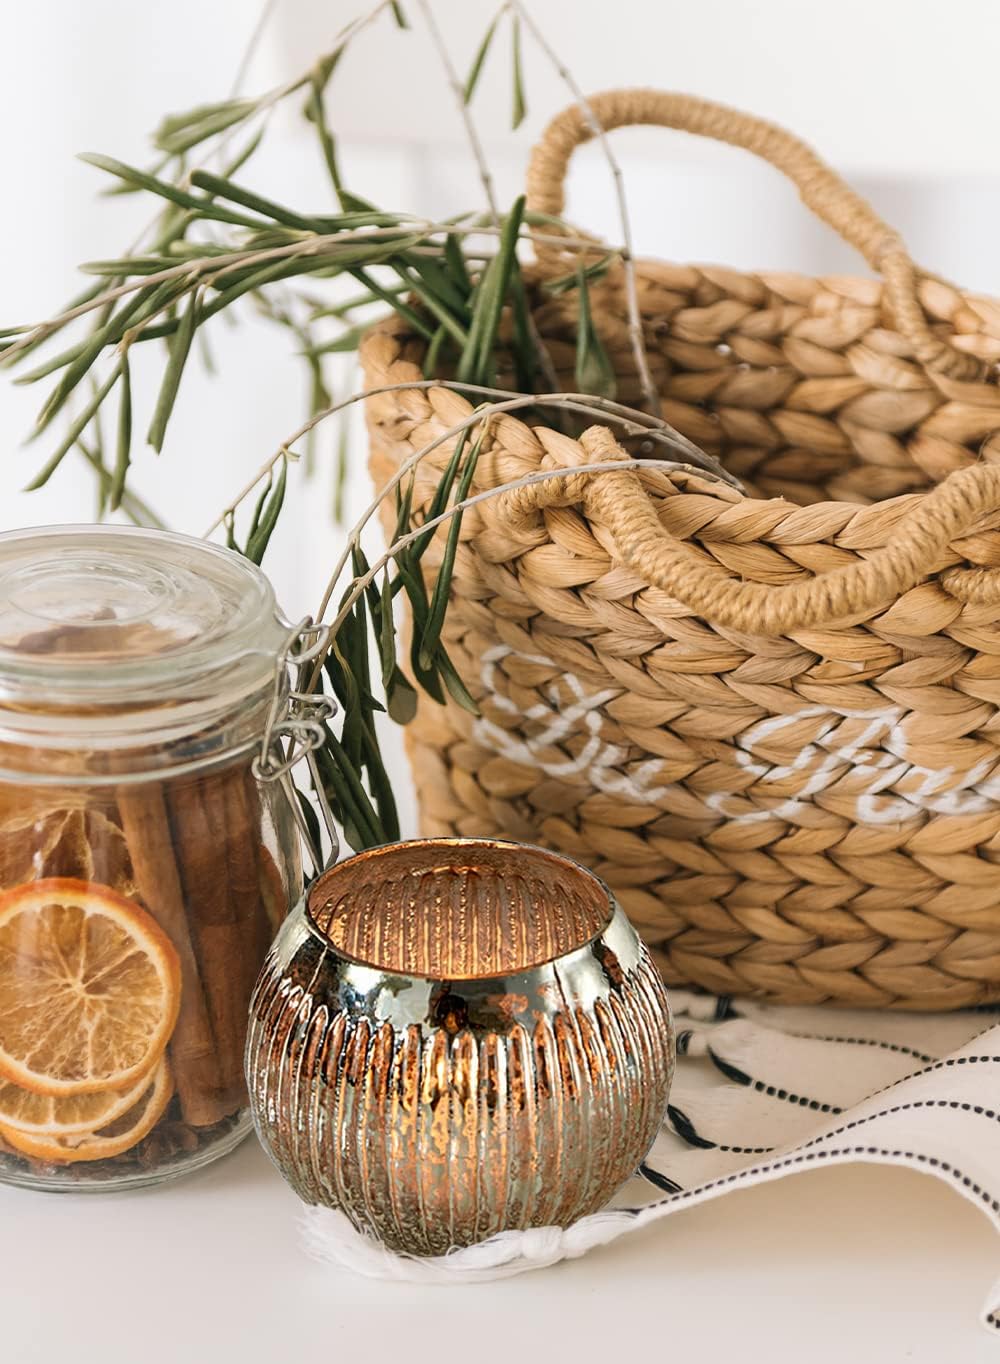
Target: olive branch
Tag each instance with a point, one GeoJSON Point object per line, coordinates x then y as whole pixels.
{"type": "Point", "coordinates": [457, 284]}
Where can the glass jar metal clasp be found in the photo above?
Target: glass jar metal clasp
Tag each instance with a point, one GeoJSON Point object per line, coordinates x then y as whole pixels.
{"type": "Point", "coordinates": [295, 728]}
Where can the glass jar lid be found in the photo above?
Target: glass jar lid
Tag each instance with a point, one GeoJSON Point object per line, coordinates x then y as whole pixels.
{"type": "Point", "coordinates": [109, 632]}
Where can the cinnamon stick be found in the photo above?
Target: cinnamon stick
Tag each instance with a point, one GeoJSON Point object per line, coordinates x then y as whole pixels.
{"type": "Point", "coordinates": [147, 830]}
{"type": "Point", "coordinates": [245, 814]}
{"type": "Point", "coordinates": [198, 816]}
{"type": "Point", "coordinates": [244, 831]}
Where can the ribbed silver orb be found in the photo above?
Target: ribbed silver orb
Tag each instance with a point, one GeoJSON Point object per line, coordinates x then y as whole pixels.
{"type": "Point", "coordinates": [455, 1037]}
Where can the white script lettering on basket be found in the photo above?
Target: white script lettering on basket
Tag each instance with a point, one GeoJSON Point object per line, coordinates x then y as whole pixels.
{"type": "Point", "coordinates": [886, 787]}
{"type": "Point", "coordinates": [597, 760]}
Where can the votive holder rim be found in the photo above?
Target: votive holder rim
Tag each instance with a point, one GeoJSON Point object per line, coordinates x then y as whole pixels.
{"type": "Point", "coordinates": [613, 909]}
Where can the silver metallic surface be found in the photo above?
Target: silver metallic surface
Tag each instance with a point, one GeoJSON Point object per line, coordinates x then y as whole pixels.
{"type": "Point", "coordinates": [297, 716]}
{"type": "Point", "coordinates": [295, 728]}
{"type": "Point", "coordinates": [439, 1106]}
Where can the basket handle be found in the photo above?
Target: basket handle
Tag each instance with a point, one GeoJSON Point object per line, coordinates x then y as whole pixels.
{"type": "Point", "coordinates": [621, 504]}
{"type": "Point", "coordinates": [820, 188]}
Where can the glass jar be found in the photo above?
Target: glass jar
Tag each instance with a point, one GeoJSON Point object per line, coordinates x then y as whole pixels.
{"type": "Point", "coordinates": [143, 869]}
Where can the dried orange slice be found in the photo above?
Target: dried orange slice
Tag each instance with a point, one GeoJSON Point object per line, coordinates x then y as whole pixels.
{"type": "Point", "coordinates": [62, 839]}
{"type": "Point", "coordinates": [111, 1140]}
{"type": "Point", "coordinates": [89, 988]}
{"type": "Point", "coordinates": [68, 1114]}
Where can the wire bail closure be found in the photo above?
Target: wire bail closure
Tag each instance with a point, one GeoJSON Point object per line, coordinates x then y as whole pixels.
{"type": "Point", "coordinates": [295, 729]}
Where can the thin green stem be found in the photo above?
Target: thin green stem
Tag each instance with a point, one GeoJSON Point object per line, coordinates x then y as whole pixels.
{"type": "Point", "coordinates": [307, 247]}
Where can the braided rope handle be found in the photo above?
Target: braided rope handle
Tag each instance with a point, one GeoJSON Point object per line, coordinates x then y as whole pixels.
{"type": "Point", "coordinates": [620, 503]}
{"type": "Point", "coordinates": [820, 188]}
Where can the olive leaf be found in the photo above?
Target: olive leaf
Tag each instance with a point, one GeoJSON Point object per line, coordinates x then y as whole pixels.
{"type": "Point", "coordinates": [355, 203]}
{"type": "Point", "coordinates": [403, 309]}
{"type": "Point", "coordinates": [437, 278]}
{"type": "Point", "coordinates": [75, 431]}
{"type": "Point", "coordinates": [562, 284]}
{"type": "Point", "coordinates": [144, 303]}
{"type": "Point", "coordinates": [138, 512]}
{"type": "Point", "coordinates": [244, 155]}
{"type": "Point", "coordinates": [266, 517]}
{"type": "Point", "coordinates": [526, 360]}
{"type": "Point", "coordinates": [430, 635]}
{"type": "Point", "coordinates": [442, 495]}
{"type": "Point", "coordinates": [360, 822]}
{"type": "Point", "coordinates": [347, 341]}
{"type": "Point", "coordinates": [179, 132]}
{"type": "Point", "coordinates": [221, 187]}
{"type": "Point", "coordinates": [144, 180]}
{"type": "Point", "coordinates": [124, 446]}
{"type": "Point", "coordinates": [455, 266]}
{"type": "Point", "coordinates": [476, 70]}
{"type": "Point", "coordinates": [432, 358]}
{"type": "Point", "coordinates": [457, 689]}
{"type": "Point", "coordinates": [315, 112]}
{"type": "Point", "coordinates": [476, 363]}
{"type": "Point", "coordinates": [401, 699]}
{"type": "Point", "coordinates": [416, 595]}
{"type": "Point", "coordinates": [213, 242]}
{"type": "Point", "coordinates": [594, 371]}
{"type": "Point", "coordinates": [122, 188]}
{"type": "Point", "coordinates": [127, 265]}
{"type": "Point", "coordinates": [180, 348]}
{"type": "Point", "coordinates": [434, 305]}
{"type": "Point", "coordinates": [20, 342]}
{"type": "Point", "coordinates": [340, 467]}
{"type": "Point", "coordinates": [95, 433]}
{"type": "Point", "coordinates": [518, 107]}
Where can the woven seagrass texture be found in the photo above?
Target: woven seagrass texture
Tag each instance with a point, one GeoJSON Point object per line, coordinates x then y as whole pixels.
{"type": "Point", "coordinates": [769, 721]}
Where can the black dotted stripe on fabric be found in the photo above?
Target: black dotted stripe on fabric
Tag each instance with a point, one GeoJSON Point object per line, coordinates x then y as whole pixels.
{"type": "Point", "coordinates": [898, 1046]}
{"type": "Point", "coordinates": [978, 1110]}
{"type": "Point", "coordinates": [740, 1077]}
{"type": "Point", "coordinates": [687, 1131]}
{"type": "Point", "coordinates": [817, 1158]}
{"type": "Point", "coordinates": [946, 1064]}
{"type": "Point", "coordinates": [867, 1042]}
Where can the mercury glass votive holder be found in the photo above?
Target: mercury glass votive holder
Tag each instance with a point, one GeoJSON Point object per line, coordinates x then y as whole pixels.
{"type": "Point", "coordinates": [454, 1037]}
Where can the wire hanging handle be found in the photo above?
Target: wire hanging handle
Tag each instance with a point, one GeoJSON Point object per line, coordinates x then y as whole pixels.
{"type": "Point", "coordinates": [295, 728]}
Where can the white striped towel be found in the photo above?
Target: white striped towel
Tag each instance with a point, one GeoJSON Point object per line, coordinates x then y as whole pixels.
{"type": "Point", "coordinates": [762, 1092]}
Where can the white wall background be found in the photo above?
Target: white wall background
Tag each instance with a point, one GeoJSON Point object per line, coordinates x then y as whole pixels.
{"type": "Point", "coordinates": [899, 94]}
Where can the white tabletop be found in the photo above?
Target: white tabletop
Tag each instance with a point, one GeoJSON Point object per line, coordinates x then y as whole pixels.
{"type": "Point", "coordinates": [866, 1264]}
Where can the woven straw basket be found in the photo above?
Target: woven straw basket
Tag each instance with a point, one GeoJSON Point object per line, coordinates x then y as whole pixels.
{"type": "Point", "coordinates": [769, 721]}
